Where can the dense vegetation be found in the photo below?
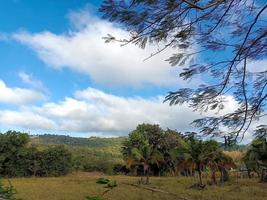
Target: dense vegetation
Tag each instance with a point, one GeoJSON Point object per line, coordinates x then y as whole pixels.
{"type": "Point", "coordinates": [7, 192]}
{"type": "Point", "coordinates": [88, 154]}
{"type": "Point", "coordinates": [155, 151]}
{"type": "Point", "coordinates": [158, 151]}
{"type": "Point", "coordinates": [18, 158]}
{"type": "Point", "coordinates": [255, 158]}
{"type": "Point", "coordinates": [92, 142]}
{"type": "Point", "coordinates": [149, 150]}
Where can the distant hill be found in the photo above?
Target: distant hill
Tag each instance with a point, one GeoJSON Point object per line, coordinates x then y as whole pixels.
{"type": "Point", "coordinates": [97, 142]}
{"type": "Point", "coordinates": [236, 147]}
{"type": "Point", "coordinates": [92, 142]}
{"type": "Point", "coordinates": [95, 153]}
{"type": "Point", "coordinates": [89, 154]}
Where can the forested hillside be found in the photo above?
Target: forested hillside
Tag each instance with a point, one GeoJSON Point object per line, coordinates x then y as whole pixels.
{"type": "Point", "coordinates": [114, 144]}
{"type": "Point", "coordinates": [89, 154]}
{"type": "Point", "coordinates": [78, 141]}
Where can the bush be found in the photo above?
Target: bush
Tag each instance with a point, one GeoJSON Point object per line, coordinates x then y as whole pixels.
{"type": "Point", "coordinates": [7, 193]}
{"type": "Point", "coordinates": [18, 159]}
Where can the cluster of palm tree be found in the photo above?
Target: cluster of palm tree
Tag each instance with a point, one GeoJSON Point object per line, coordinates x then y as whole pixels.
{"type": "Point", "coordinates": [255, 158]}
{"type": "Point", "coordinates": [156, 151]}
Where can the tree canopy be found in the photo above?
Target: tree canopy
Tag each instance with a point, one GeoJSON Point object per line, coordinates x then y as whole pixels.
{"type": "Point", "coordinates": [256, 157]}
{"type": "Point", "coordinates": [169, 152]}
{"type": "Point", "coordinates": [230, 35]}
{"type": "Point", "coordinates": [18, 158]}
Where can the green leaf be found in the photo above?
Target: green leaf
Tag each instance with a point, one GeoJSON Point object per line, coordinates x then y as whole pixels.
{"type": "Point", "coordinates": [94, 198]}
{"type": "Point", "coordinates": [112, 184]}
{"type": "Point", "coordinates": [102, 181]}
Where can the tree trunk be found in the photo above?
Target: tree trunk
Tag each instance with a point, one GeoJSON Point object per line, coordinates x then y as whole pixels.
{"type": "Point", "coordinates": [249, 173]}
{"type": "Point", "coordinates": [224, 175]}
{"type": "Point", "coordinates": [147, 176]}
{"type": "Point", "coordinates": [213, 177]}
{"type": "Point", "coordinates": [200, 177]}
{"type": "Point", "coordinates": [263, 175]}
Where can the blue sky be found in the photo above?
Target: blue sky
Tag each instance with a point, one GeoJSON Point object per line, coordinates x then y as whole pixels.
{"type": "Point", "coordinates": [31, 82]}
{"type": "Point", "coordinates": [35, 16]}
{"type": "Point", "coordinates": [58, 76]}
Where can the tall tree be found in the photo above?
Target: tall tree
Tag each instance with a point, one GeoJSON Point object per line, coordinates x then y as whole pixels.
{"type": "Point", "coordinates": [145, 156]}
{"type": "Point", "coordinates": [12, 153]}
{"type": "Point", "coordinates": [143, 147]}
{"type": "Point", "coordinates": [202, 154]}
{"type": "Point", "coordinates": [256, 157]}
{"type": "Point", "coordinates": [229, 34]}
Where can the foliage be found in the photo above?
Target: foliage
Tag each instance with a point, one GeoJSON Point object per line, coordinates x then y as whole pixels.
{"type": "Point", "coordinates": [19, 159]}
{"type": "Point", "coordinates": [55, 161]}
{"type": "Point", "coordinates": [92, 142]}
{"type": "Point", "coordinates": [102, 181]}
{"type": "Point", "coordinates": [102, 159]}
{"type": "Point", "coordinates": [255, 158]}
{"type": "Point", "coordinates": [144, 148]}
{"type": "Point", "coordinates": [169, 151]}
{"type": "Point", "coordinates": [109, 184]}
{"type": "Point", "coordinates": [88, 154]}
{"type": "Point", "coordinates": [7, 193]}
{"type": "Point", "coordinates": [230, 34]}
{"type": "Point", "coordinates": [201, 153]}
{"type": "Point", "coordinates": [93, 198]}
{"type": "Point", "coordinates": [13, 153]}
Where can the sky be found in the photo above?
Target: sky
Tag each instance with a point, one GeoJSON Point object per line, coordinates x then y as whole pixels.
{"type": "Point", "coordinates": [58, 76]}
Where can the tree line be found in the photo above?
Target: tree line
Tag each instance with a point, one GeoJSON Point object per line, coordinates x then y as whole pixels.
{"type": "Point", "coordinates": [18, 158]}
{"type": "Point", "coordinates": [22, 155]}
{"type": "Point", "coordinates": [150, 150]}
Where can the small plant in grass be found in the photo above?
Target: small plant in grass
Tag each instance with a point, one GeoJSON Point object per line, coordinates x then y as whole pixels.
{"type": "Point", "coordinates": [7, 193]}
{"type": "Point", "coordinates": [94, 198]}
{"type": "Point", "coordinates": [108, 184]}
{"type": "Point", "coordinates": [102, 181]}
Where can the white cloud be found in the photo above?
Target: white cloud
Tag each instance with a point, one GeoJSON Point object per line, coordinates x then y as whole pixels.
{"type": "Point", "coordinates": [257, 65]}
{"type": "Point", "coordinates": [18, 95]}
{"type": "Point", "coordinates": [92, 110]}
{"type": "Point", "coordinates": [83, 50]}
{"type": "Point", "coordinates": [31, 81]}
{"type": "Point", "coordinates": [25, 119]}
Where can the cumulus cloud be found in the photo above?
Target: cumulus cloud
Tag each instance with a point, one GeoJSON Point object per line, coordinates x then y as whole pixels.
{"type": "Point", "coordinates": [257, 65]}
{"type": "Point", "coordinates": [18, 95]}
{"type": "Point", "coordinates": [92, 110]}
{"type": "Point", "coordinates": [83, 50]}
{"type": "Point", "coordinates": [31, 81]}
{"type": "Point", "coordinates": [24, 119]}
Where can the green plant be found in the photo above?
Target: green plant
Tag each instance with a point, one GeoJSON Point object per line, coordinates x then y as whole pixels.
{"type": "Point", "coordinates": [109, 184]}
{"type": "Point", "coordinates": [102, 181]}
{"type": "Point", "coordinates": [8, 192]}
{"type": "Point", "coordinates": [93, 198]}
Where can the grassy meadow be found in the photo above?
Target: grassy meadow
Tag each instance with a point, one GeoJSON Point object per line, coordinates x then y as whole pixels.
{"type": "Point", "coordinates": [77, 186]}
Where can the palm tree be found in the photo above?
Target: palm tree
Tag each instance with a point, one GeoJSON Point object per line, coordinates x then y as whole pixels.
{"type": "Point", "coordinates": [256, 157]}
{"type": "Point", "coordinates": [145, 156]}
{"type": "Point", "coordinates": [224, 163]}
{"type": "Point", "coordinates": [197, 152]}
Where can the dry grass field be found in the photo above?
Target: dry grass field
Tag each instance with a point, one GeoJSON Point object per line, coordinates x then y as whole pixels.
{"type": "Point", "coordinates": [79, 185]}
